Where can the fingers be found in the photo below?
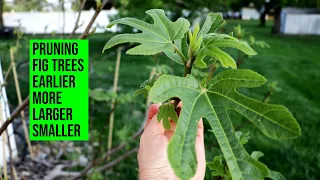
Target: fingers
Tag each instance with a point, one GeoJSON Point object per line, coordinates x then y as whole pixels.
{"type": "Point", "coordinates": [200, 152]}
{"type": "Point", "coordinates": [154, 127]}
{"type": "Point", "coordinates": [153, 110]}
{"type": "Point", "coordinates": [169, 133]}
{"type": "Point", "coordinates": [200, 129]}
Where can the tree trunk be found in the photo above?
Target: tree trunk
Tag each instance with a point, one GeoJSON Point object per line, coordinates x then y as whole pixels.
{"type": "Point", "coordinates": [277, 21]}
{"type": "Point", "coordinates": [1, 11]}
{"type": "Point", "coordinates": [265, 10]}
{"type": "Point", "coordinates": [263, 19]}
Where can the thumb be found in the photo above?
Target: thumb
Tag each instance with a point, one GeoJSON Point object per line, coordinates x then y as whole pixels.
{"type": "Point", "coordinates": [152, 111]}
{"type": "Point", "coordinates": [153, 127]}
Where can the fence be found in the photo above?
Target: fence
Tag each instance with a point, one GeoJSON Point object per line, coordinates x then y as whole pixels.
{"type": "Point", "coordinates": [5, 113]}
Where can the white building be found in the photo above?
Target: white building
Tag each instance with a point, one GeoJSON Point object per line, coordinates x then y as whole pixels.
{"type": "Point", "coordinates": [249, 14]}
{"type": "Point", "coordinates": [300, 21]}
{"type": "Point", "coordinates": [48, 22]}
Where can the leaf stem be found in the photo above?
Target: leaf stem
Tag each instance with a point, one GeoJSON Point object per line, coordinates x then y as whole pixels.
{"type": "Point", "coordinates": [180, 54]}
{"type": "Point", "coordinates": [212, 70]}
{"type": "Point", "coordinates": [188, 66]}
{"type": "Point", "coordinates": [187, 70]}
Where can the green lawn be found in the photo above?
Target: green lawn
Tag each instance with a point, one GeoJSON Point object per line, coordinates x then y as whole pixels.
{"type": "Point", "coordinates": [292, 61]}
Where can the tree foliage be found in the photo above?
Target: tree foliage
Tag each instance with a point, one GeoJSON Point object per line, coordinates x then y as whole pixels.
{"type": "Point", "coordinates": [210, 100]}
{"type": "Point", "coordinates": [129, 7]}
{"type": "Point", "coordinates": [297, 3]}
{"type": "Point", "coordinates": [212, 103]}
{"type": "Point", "coordinates": [154, 38]}
{"type": "Point", "coordinates": [30, 5]}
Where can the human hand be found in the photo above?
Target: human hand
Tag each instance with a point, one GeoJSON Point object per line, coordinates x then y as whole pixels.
{"type": "Point", "coordinates": [152, 155]}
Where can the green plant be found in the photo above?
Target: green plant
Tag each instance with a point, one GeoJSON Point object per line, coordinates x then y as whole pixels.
{"type": "Point", "coordinates": [210, 100]}
{"type": "Point", "coordinates": [243, 34]}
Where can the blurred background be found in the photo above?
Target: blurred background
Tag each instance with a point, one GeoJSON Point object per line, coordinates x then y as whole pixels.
{"type": "Point", "coordinates": [284, 33]}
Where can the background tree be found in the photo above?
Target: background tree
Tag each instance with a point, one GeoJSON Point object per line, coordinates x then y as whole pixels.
{"type": "Point", "coordinates": [237, 5]}
{"type": "Point", "coordinates": [130, 8]}
{"type": "Point", "coordinates": [30, 5]}
{"type": "Point", "coordinates": [93, 4]}
{"type": "Point", "coordinates": [277, 6]}
{"type": "Point", "coordinates": [266, 9]}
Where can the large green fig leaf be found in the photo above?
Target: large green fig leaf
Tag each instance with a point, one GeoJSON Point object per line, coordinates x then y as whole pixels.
{"type": "Point", "coordinates": [273, 120]}
{"type": "Point", "coordinates": [155, 38]}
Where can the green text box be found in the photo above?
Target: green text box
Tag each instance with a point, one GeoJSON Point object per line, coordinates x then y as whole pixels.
{"type": "Point", "coordinates": [59, 68]}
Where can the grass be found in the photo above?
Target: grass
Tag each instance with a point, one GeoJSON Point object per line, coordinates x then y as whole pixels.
{"type": "Point", "coordinates": [292, 61]}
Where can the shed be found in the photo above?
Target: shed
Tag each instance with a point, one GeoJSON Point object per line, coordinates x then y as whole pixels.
{"type": "Point", "coordinates": [249, 14]}
{"type": "Point", "coordinates": [300, 21]}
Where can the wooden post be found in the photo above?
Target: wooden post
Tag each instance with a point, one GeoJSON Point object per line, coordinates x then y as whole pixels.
{"type": "Point", "coordinates": [16, 81]}
{"type": "Point", "coordinates": [113, 103]}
